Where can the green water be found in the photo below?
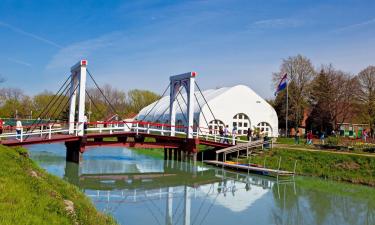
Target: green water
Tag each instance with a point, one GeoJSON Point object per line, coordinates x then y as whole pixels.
{"type": "Point", "coordinates": [140, 189]}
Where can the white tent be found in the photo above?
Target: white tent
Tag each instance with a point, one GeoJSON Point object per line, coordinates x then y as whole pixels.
{"type": "Point", "coordinates": [238, 106]}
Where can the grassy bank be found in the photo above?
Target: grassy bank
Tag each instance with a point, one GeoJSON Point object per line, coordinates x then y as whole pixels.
{"type": "Point", "coordinates": [29, 195]}
{"type": "Point", "coordinates": [351, 168]}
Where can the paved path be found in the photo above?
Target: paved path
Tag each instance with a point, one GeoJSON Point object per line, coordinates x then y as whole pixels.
{"type": "Point", "coordinates": [325, 151]}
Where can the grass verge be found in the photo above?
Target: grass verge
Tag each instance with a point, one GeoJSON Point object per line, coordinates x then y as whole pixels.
{"type": "Point", "coordinates": [351, 168]}
{"type": "Point", "coordinates": [29, 195]}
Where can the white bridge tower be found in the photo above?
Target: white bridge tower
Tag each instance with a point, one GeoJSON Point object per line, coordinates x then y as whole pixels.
{"type": "Point", "coordinates": [187, 81]}
{"type": "Point", "coordinates": [77, 87]}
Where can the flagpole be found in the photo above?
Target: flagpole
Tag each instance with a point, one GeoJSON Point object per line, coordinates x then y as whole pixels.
{"type": "Point", "coordinates": [286, 116]}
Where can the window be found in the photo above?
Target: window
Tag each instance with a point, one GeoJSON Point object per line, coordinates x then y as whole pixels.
{"type": "Point", "coordinates": [214, 126]}
{"type": "Point", "coordinates": [265, 127]}
{"type": "Point", "coordinates": [242, 122]}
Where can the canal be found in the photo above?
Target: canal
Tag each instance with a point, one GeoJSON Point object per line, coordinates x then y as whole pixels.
{"type": "Point", "coordinates": [139, 188]}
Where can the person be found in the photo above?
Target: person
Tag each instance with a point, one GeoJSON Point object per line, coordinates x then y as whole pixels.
{"type": "Point", "coordinates": [364, 135]}
{"type": "Point", "coordinates": [296, 137]}
{"type": "Point", "coordinates": [309, 137]}
{"type": "Point", "coordinates": [85, 124]}
{"type": "Point", "coordinates": [221, 133]}
{"type": "Point", "coordinates": [234, 133]}
{"type": "Point", "coordinates": [226, 134]}
{"type": "Point", "coordinates": [322, 138]}
{"type": "Point", "coordinates": [18, 129]}
{"type": "Point", "coordinates": [249, 134]}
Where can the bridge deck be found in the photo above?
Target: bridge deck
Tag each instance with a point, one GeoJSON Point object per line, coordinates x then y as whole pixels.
{"type": "Point", "coordinates": [40, 140]}
{"type": "Point", "coordinates": [161, 141]}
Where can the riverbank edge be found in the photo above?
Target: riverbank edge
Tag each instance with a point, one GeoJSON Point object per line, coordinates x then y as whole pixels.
{"type": "Point", "coordinates": [355, 169]}
{"type": "Point", "coordinates": [30, 195]}
{"type": "Point", "coordinates": [347, 168]}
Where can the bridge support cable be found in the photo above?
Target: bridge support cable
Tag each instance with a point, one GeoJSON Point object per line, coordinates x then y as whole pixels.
{"type": "Point", "coordinates": [60, 98]}
{"type": "Point", "coordinates": [179, 92]}
{"type": "Point", "coordinates": [95, 106]}
{"type": "Point", "coordinates": [204, 98]}
{"type": "Point", "coordinates": [66, 103]}
{"type": "Point", "coordinates": [166, 109]}
{"type": "Point", "coordinates": [165, 91]}
{"type": "Point", "coordinates": [182, 112]}
{"type": "Point", "coordinates": [106, 99]}
{"type": "Point", "coordinates": [49, 103]}
{"type": "Point", "coordinates": [53, 101]}
{"type": "Point", "coordinates": [200, 108]}
{"type": "Point", "coordinates": [62, 109]}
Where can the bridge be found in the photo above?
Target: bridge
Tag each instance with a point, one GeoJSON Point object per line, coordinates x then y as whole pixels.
{"type": "Point", "coordinates": [78, 134]}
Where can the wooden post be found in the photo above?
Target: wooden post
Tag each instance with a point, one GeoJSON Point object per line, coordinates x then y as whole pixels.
{"type": "Point", "coordinates": [279, 163]}
{"type": "Point", "coordinates": [165, 154]}
{"type": "Point", "coordinates": [50, 131]}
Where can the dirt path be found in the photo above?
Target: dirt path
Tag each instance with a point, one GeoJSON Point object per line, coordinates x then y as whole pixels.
{"type": "Point", "coordinates": [324, 151]}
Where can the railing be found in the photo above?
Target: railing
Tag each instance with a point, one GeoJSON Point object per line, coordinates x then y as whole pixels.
{"type": "Point", "coordinates": [139, 127]}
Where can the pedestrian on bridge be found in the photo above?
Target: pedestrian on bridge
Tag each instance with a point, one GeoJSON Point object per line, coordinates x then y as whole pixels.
{"type": "Point", "coordinates": [18, 129]}
{"type": "Point", "coordinates": [221, 133]}
{"type": "Point", "coordinates": [85, 124]}
{"type": "Point", "coordinates": [226, 134]}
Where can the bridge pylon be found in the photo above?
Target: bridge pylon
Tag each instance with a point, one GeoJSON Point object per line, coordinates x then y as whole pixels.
{"type": "Point", "coordinates": [187, 81]}
{"type": "Point", "coordinates": [77, 87]}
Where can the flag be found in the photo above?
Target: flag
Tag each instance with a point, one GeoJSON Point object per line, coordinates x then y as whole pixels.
{"type": "Point", "coordinates": [283, 83]}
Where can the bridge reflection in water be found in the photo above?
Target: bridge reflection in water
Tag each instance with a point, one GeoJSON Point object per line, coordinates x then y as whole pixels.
{"type": "Point", "coordinates": [165, 189]}
{"type": "Point", "coordinates": [139, 189]}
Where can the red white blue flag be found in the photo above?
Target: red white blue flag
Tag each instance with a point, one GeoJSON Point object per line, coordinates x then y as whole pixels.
{"type": "Point", "coordinates": [283, 83]}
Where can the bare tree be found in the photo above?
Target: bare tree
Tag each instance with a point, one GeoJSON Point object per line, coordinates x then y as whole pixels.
{"type": "Point", "coordinates": [332, 98]}
{"type": "Point", "coordinates": [300, 73]}
{"type": "Point", "coordinates": [366, 94]}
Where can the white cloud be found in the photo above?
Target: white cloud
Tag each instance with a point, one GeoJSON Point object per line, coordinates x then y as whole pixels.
{"type": "Point", "coordinates": [356, 26]}
{"type": "Point", "coordinates": [82, 50]}
{"type": "Point", "coordinates": [20, 62]}
{"type": "Point", "coordinates": [276, 23]}
{"type": "Point", "coordinates": [34, 36]}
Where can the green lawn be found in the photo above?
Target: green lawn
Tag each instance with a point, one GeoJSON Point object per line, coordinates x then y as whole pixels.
{"type": "Point", "coordinates": [29, 195]}
{"type": "Point", "coordinates": [351, 168]}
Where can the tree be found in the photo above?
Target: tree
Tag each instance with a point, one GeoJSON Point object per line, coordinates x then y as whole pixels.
{"type": "Point", "coordinates": [300, 74]}
{"type": "Point", "coordinates": [332, 99]}
{"type": "Point", "coordinates": [138, 99]}
{"type": "Point", "coordinates": [366, 94]}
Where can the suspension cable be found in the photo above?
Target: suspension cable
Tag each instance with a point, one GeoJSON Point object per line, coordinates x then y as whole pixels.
{"type": "Point", "coordinates": [179, 92]}
{"type": "Point", "coordinates": [68, 100]}
{"type": "Point", "coordinates": [144, 118]}
{"type": "Point", "coordinates": [205, 100]}
{"type": "Point", "coordinates": [44, 112]}
{"type": "Point", "coordinates": [53, 99]}
{"type": "Point", "coordinates": [200, 108]}
{"type": "Point", "coordinates": [106, 99]}
{"type": "Point", "coordinates": [96, 107]}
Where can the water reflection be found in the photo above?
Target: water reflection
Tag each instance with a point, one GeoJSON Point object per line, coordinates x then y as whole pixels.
{"type": "Point", "coordinates": [138, 189]}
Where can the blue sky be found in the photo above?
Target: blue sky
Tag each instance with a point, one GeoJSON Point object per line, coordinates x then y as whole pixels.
{"type": "Point", "coordinates": [140, 43]}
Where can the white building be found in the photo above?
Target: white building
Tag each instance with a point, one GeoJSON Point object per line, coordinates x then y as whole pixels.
{"type": "Point", "coordinates": [238, 106]}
